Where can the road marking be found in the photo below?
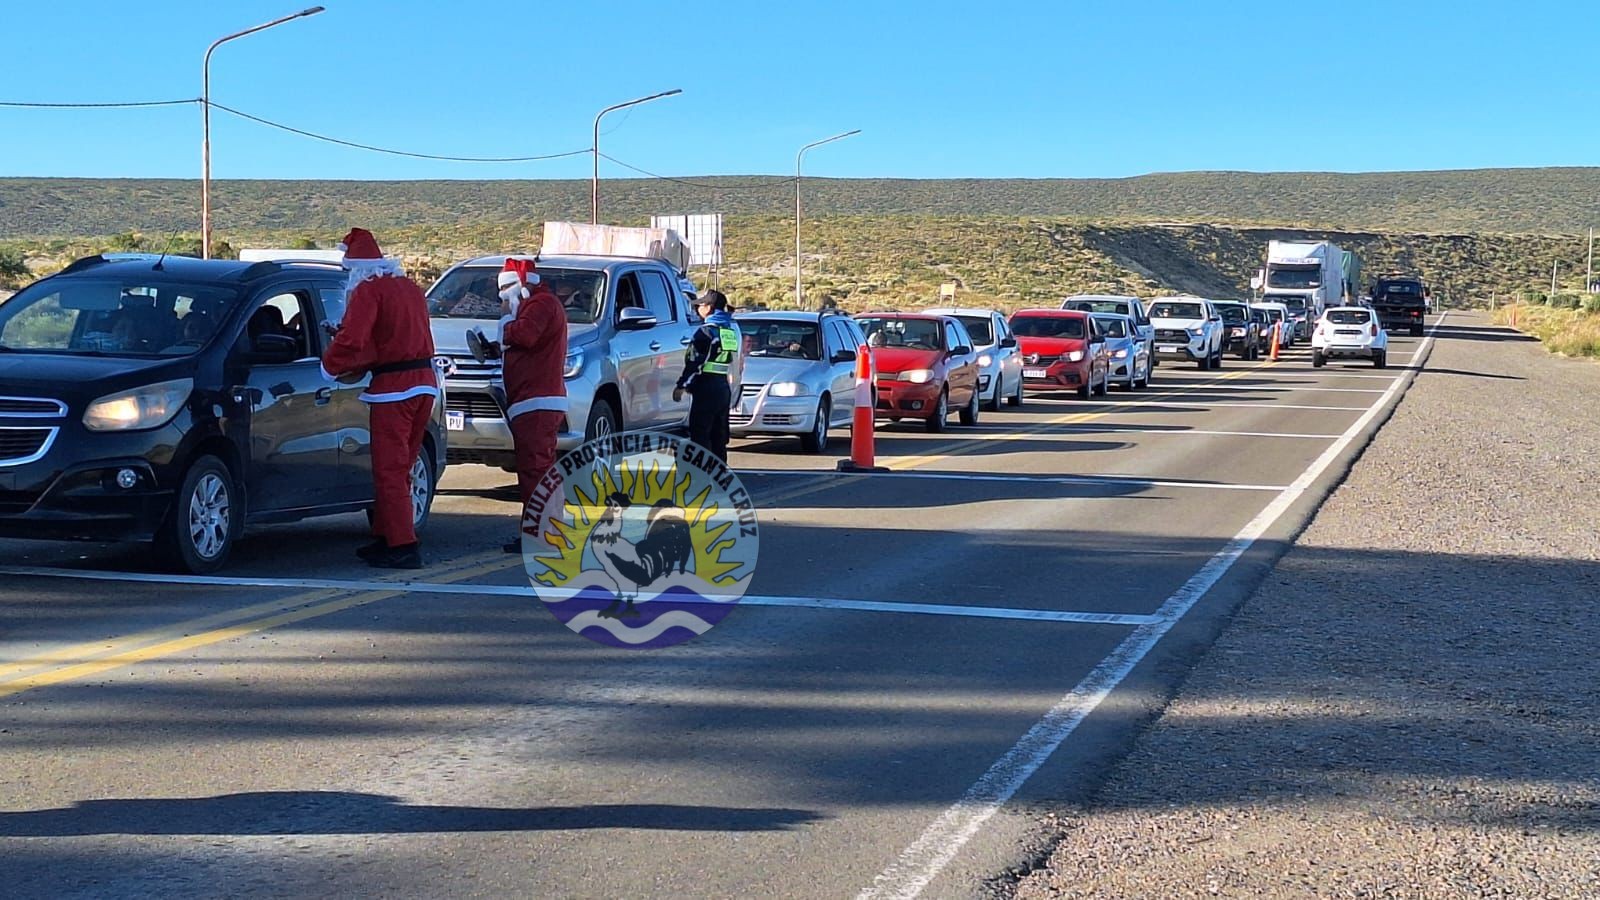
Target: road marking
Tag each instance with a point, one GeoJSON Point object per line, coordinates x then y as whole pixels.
{"type": "Point", "coordinates": [1271, 387]}
{"type": "Point", "coordinates": [920, 863]}
{"type": "Point", "coordinates": [1154, 430]}
{"type": "Point", "coordinates": [1128, 480]}
{"type": "Point", "coordinates": [1203, 404]}
{"type": "Point", "coordinates": [94, 657]}
{"type": "Point", "coordinates": [364, 588]}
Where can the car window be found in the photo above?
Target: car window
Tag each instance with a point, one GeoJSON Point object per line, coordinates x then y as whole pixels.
{"type": "Point", "coordinates": [780, 338]}
{"type": "Point", "coordinates": [112, 317]}
{"type": "Point", "coordinates": [333, 301]}
{"type": "Point", "coordinates": [843, 338]}
{"type": "Point", "coordinates": [1048, 326]}
{"type": "Point", "coordinates": [657, 296]}
{"type": "Point", "coordinates": [286, 314]}
{"type": "Point", "coordinates": [1348, 316]}
{"type": "Point", "coordinates": [911, 334]}
{"type": "Point", "coordinates": [1177, 311]}
{"type": "Point", "coordinates": [1116, 328]}
{"type": "Point", "coordinates": [472, 292]}
{"type": "Point", "coordinates": [628, 293]}
{"type": "Point", "coordinates": [1233, 314]}
{"type": "Point", "coordinates": [981, 328]}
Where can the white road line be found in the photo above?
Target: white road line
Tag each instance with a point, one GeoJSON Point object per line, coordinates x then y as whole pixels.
{"type": "Point", "coordinates": [1151, 430]}
{"type": "Point", "coordinates": [1120, 480]}
{"type": "Point", "coordinates": [1202, 404]}
{"type": "Point", "coordinates": [926, 858]}
{"type": "Point", "coordinates": [523, 591]}
{"type": "Point", "coordinates": [1262, 387]}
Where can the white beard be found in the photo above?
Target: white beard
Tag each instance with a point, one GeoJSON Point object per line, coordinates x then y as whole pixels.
{"type": "Point", "coordinates": [513, 296]}
{"type": "Point", "coordinates": [361, 270]}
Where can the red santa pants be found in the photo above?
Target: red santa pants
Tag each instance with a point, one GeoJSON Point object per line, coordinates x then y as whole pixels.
{"type": "Point", "coordinates": [397, 430]}
{"type": "Point", "coordinates": [534, 435]}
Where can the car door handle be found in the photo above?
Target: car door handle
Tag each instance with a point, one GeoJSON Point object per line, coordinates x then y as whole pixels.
{"type": "Point", "coordinates": [687, 339]}
{"type": "Point", "coordinates": [324, 396]}
{"type": "Point", "coordinates": [655, 345]}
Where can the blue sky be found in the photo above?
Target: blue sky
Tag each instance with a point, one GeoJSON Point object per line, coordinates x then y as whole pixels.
{"type": "Point", "coordinates": [978, 89]}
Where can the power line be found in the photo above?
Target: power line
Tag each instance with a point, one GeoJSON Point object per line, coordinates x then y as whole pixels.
{"type": "Point", "coordinates": [126, 105]}
{"type": "Point", "coordinates": [777, 182]}
{"type": "Point", "coordinates": [344, 143]}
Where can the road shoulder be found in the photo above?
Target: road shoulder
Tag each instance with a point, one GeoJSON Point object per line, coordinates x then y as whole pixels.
{"type": "Point", "coordinates": [1405, 706]}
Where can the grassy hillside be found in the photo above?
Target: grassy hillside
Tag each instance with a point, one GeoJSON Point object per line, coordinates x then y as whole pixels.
{"type": "Point", "coordinates": [1486, 200]}
{"type": "Point", "coordinates": [895, 261]}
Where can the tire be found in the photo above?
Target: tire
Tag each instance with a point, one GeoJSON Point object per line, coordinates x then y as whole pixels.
{"type": "Point", "coordinates": [1216, 361]}
{"type": "Point", "coordinates": [1084, 392]}
{"type": "Point", "coordinates": [1105, 385]}
{"type": "Point", "coordinates": [1380, 359]}
{"type": "Point", "coordinates": [935, 422]}
{"type": "Point", "coordinates": [1416, 331]}
{"type": "Point", "coordinates": [1145, 381]}
{"type": "Point", "coordinates": [603, 421]}
{"type": "Point", "coordinates": [817, 440]}
{"type": "Point", "coordinates": [204, 520]}
{"type": "Point", "coordinates": [1203, 363]}
{"type": "Point", "coordinates": [994, 403]}
{"type": "Point", "coordinates": [423, 488]}
{"type": "Point", "coordinates": [969, 413]}
{"type": "Point", "coordinates": [1317, 359]}
{"type": "Point", "coordinates": [1016, 399]}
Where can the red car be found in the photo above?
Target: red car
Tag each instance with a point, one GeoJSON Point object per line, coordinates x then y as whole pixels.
{"type": "Point", "coordinates": [1061, 348]}
{"type": "Point", "coordinates": [926, 367]}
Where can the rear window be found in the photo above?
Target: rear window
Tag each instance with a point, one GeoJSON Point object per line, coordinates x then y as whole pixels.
{"type": "Point", "coordinates": [910, 334]}
{"type": "Point", "coordinates": [1047, 326]}
{"type": "Point", "coordinates": [1348, 316]}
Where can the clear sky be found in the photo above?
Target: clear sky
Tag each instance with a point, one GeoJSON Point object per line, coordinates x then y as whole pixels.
{"type": "Point", "coordinates": [984, 88]}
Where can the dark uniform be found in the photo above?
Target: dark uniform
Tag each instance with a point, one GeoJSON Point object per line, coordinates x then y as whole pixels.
{"type": "Point", "coordinates": [710, 370]}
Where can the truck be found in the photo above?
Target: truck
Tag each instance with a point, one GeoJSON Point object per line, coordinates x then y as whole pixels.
{"type": "Point", "coordinates": [1307, 277]}
{"type": "Point", "coordinates": [1401, 301]}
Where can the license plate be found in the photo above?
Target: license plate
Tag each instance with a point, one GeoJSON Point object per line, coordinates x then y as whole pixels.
{"type": "Point", "coordinates": [455, 421]}
{"type": "Point", "coordinates": [1033, 373]}
{"type": "Point", "coordinates": [1169, 348]}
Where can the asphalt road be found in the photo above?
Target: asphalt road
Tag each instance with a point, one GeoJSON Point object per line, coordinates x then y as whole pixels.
{"type": "Point", "coordinates": [1023, 596]}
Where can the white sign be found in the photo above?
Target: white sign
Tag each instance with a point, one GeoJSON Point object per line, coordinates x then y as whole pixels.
{"type": "Point", "coordinates": [702, 234]}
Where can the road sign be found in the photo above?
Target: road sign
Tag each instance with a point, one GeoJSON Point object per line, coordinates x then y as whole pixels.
{"type": "Point", "coordinates": [703, 234]}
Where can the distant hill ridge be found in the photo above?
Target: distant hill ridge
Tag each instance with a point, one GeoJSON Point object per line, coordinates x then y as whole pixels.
{"type": "Point", "coordinates": [1548, 200]}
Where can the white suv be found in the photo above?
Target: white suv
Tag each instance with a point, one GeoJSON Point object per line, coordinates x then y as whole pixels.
{"type": "Point", "coordinates": [1346, 332]}
{"type": "Point", "coordinates": [1188, 328]}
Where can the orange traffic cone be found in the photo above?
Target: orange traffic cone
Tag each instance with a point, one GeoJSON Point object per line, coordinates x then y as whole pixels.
{"type": "Point", "coordinates": [1276, 328]}
{"type": "Point", "coordinates": [861, 444]}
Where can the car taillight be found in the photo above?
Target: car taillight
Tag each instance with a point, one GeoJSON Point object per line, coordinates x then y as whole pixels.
{"type": "Point", "coordinates": [1374, 329]}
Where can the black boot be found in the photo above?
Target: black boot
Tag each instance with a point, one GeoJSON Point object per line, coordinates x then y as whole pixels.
{"type": "Point", "coordinates": [408, 556]}
{"type": "Point", "coordinates": [369, 552]}
{"type": "Point", "coordinates": [513, 546]}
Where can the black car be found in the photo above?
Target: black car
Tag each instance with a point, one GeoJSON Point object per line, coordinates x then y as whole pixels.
{"type": "Point", "coordinates": [178, 400]}
{"type": "Point", "coordinates": [1241, 332]}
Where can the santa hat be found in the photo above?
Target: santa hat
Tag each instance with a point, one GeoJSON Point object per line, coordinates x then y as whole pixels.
{"type": "Point", "coordinates": [519, 270]}
{"type": "Point", "coordinates": [359, 244]}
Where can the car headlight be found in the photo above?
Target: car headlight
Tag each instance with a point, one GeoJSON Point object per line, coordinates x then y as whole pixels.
{"type": "Point", "coordinates": [917, 376]}
{"type": "Point", "coordinates": [1075, 356]}
{"type": "Point", "coordinates": [985, 360]}
{"type": "Point", "coordinates": [146, 407]}
{"type": "Point", "coordinates": [1120, 354]}
{"type": "Point", "coordinates": [1195, 332]}
{"type": "Point", "coordinates": [574, 365]}
{"type": "Point", "coordinates": [1238, 332]}
{"type": "Point", "coordinates": [789, 389]}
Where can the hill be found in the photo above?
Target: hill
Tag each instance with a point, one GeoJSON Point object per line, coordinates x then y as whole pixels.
{"type": "Point", "coordinates": [1551, 200]}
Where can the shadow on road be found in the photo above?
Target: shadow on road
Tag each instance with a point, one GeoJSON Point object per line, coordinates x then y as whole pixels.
{"type": "Point", "coordinates": [346, 812]}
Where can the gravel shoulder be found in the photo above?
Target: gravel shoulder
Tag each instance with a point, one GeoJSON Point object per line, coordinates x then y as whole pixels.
{"type": "Point", "coordinates": [1407, 706]}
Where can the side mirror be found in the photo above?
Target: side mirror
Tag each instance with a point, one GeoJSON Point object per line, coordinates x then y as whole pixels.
{"type": "Point", "coordinates": [272, 349]}
{"type": "Point", "coordinates": [962, 350]}
{"type": "Point", "coordinates": [1098, 339]}
{"type": "Point", "coordinates": [635, 319]}
{"type": "Point", "coordinates": [843, 356]}
{"type": "Point", "coordinates": [1008, 343]}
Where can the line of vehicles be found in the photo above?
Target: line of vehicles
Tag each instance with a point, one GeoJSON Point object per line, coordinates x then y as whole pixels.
{"type": "Point", "coordinates": [175, 400]}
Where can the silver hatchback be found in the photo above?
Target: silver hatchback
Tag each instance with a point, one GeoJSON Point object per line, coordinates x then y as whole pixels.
{"type": "Point", "coordinates": [799, 375]}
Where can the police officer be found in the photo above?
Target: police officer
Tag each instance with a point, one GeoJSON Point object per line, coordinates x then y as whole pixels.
{"type": "Point", "coordinates": [711, 374]}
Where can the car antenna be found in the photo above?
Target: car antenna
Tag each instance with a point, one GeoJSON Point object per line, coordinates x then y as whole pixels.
{"type": "Point", "coordinates": [164, 250]}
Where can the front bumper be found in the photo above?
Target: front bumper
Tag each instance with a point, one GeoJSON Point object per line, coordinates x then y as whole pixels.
{"type": "Point", "coordinates": [905, 399]}
{"type": "Point", "coordinates": [761, 413]}
{"type": "Point", "coordinates": [83, 501]}
{"type": "Point", "coordinates": [1059, 374]}
{"type": "Point", "coordinates": [1194, 350]}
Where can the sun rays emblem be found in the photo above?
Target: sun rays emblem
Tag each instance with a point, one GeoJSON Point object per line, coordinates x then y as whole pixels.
{"type": "Point", "coordinates": [640, 540]}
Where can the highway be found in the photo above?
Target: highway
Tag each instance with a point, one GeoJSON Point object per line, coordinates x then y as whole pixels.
{"type": "Point", "coordinates": [925, 659]}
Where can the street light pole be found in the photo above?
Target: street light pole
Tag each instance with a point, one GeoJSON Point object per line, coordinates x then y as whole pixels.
{"type": "Point", "coordinates": [799, 297]}
{"type": "Point", "coordinates": [205, 123]}
{"type": "Point", "coordinates": [594, 184]}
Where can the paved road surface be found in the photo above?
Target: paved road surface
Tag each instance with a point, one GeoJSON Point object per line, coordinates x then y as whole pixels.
{"type": "Point", "coordinates": [287, 736]}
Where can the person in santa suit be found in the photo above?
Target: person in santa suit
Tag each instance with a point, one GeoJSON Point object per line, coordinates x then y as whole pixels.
{"type": "Point", "coordinates": [385, 333]}
{"type": "Point", "coordinates": [533, 347]}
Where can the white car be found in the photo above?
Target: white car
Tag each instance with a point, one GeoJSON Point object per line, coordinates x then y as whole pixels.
{"type": "Point", "coordinates": [799, 375]}
{"type": "Point", "coordinates": [1349, 332]}
{"type": "Point", "coordinates": [1188, 328]}
{"type": "Point", "coordinates": [1279, 313]}
{"type": "Point", "coordinates": [999, 360]}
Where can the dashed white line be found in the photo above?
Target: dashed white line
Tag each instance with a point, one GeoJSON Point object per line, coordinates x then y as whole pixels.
{"type": "Point", "coordinates": [1113, 480]}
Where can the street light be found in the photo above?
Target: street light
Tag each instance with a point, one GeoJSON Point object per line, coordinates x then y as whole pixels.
{"type": "Point", "coordinates": [594, 186]}
{"type": "Point", "coordinates": [799, 300]}
{"type": "Point", "coordinates": [205, 115]}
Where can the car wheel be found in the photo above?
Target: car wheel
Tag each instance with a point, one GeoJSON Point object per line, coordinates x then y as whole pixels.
{"type": "Point", "coordinates": [1216, 361]}
{"type": "Point", "coordinates": [817, 440]}
{"type": "Point", "coordinates": [1084, 392]}
{"type": "Point", "coordinates": [603, 421]}
{"type": "Point", "coordinates": [1380, 359]}
{"type": "Point", "coordinates": [204, 520]}
{"type": "Point", "coordinates": [1317, 359]}
{"type": "Point", "coordinates": [969, 414]}
{"type": "Point", "coordinates": [1105, 384]}
{"type": "Point", "coordinates": [1203, 362]}
{"type": "Point", "coordinates": [422, 488]}
{"type": "Point", "coordinates": [997, 399]}
{"type": "Point", "coordinates": [1016, 398]}
{"type": "Point", "coordinates": [941, 411]}
{"type": "Point", "coordinates": [1144, 381]}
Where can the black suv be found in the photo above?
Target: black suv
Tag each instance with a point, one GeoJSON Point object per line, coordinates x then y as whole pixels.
{"type": "Point", "coordinates": [178, 400]}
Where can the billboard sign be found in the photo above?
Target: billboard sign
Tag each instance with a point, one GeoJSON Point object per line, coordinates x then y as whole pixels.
{"type": "Point", "coordinates": [702, 234]}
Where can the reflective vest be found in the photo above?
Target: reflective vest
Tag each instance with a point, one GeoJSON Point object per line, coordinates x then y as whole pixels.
{"type": "Point", "coordinates": [720, 360]}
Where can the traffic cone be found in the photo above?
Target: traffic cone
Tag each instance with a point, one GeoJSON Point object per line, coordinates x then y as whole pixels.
{"type": "Point", "coordinates": [1276, 328]}
{"type": "Point", "coordinates": [861, 445]}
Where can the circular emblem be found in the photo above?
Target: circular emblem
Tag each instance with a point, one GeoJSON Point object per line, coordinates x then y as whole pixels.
{"type": "Point", "coordinates": [1033, 357]}
{"type": "Point", "coordinates": [640, 540]}
{"type": "Point", "coordinates": [445, 364]}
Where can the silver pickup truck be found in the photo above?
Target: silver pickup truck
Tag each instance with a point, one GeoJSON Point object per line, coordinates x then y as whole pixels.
{"type": "Point", "coordinates": [628, 322]}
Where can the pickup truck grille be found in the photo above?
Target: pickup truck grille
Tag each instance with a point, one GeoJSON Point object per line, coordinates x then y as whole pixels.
{"type": "Point", "coordinates": [475, 404]}
{"type": "Point", "coordinates": [20, 445]}
{"type": "Point", "coordinates": [468, 369]}
{"type": "Point", "coordinates": [1172, 334]}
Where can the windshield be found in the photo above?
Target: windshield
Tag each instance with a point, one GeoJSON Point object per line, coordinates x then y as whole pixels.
{"type": "Point", "coordinates": [778, 338]}
{"type": "Point", "coordinates": [1347, 316]}
{"type": "Point", "coordinates": [1294, 277]}
{"type": "Point", "coordinates": [472, 292]}
{"type": "Point", "coordinates": [112, 317]}
{"type": "Point", "coordinates": [1233, 315]}
{"type": "Point", "coordinates": [1120, 307]}
{"type": "Point", "coordinates": [1177, 311]}
{"type": "Point", "coordinates": [911, 334]}
{"type": "Point", "coordinates": [981, 329]}
{"type": "Point", "coordinates": [1048, 326]}
{"type": "Point", "coordinates": [1112, 327]}
{"type": "Point", "coordinates": [1295, 304]}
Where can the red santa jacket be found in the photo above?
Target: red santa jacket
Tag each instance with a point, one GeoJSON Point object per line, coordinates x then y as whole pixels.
{"type": "Point", "coordinates": [385, 332]}
{"type": "Point", "coordinates": [535, 354]}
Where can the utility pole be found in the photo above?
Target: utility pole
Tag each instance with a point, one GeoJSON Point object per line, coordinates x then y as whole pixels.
{"type": "Point", "coordinates": [1588, 278]}
{"type": "Point", "coordinates": [1553, 268]}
